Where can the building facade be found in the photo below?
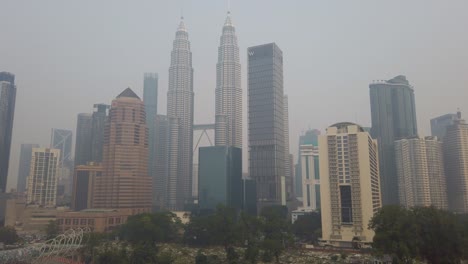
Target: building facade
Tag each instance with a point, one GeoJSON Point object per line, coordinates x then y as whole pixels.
{"type": "Point", "coordinates": [220, 177]}
{"type": "Point", "coordinates": [439, 125]}
{"type": "Point", "coordinates": [310, 177]}
{"type": "Point", "coordinates": [98, 220]}
{"type": "Point", "coordinates": [310, 137]}
{"type": "Point", "coordinates": [266, 123]}
{"type": "Point", "coordinates": [84, 182]}
{"type": "Point", "coordinates": [456, 165]}
{"type": "Point", "coordinates": [228, 120]}
{"type": "Point", "coordinates": [43, 177]}
{"type": "Point", "coordinates": [125, 183]}
{"type": "Point", "coordinates": [150, 99]}
{"type": "Point", "coordinates": [7, 110]}
{"type": "Point", "coordinates": [288, 168]}
{"type": "Point", "coordinates": [100, 116]}
{"type": "Point", "coordinates": [350, 184]}
{"type": "Point", "coordinates": [24, 166]}
{"type": "Point", "coordinates": [62, 139]}
{"type": "Point", "coordinates": [393, 114]}
{"type": "Point", "coordinates": [420, 169]}
{"type": "Point", "coordinates": [84, 139]}
{"type": "Point", "coordinates": [180, 115]}
{"type": "Point", "coordinates": [161, 159]}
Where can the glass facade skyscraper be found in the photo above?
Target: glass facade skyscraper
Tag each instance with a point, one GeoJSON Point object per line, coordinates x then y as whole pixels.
{"type": "Point", "coordinates": [7, 110]}
{"type": "Point", "coordinates": [266, 123]}
{"type": "Point", "coordinates": [84, 136]}
{"type": "Point", "coordinates": [24, 166]}
{"type": "Point", "coordinates": [393, 114]}
{"type": "Point", "coordinates": [439, 125]}
{"type": "Point", "coordinates": [150, 99]}
{"type": "Point", "coordinates": [220, 177]}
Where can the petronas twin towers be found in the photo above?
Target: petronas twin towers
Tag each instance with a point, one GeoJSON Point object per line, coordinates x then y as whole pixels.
{"type": "Point", "coordinates": [180, 108]}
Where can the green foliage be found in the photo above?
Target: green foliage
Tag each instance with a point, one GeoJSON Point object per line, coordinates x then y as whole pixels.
{"type": "Point", "coordinates": [144, 253]}
{"type": "Point", "coordinates": [110, 254]}
{"type": "Point", "coordinates": [8, 235]}
{"type": "Point", "coordinates": [276, 230]}
{"type": "Point", "coordinates": [151, 228]}
{"type": "Point", "coordinates": [52, 229]}
{"type": "Point", "coordinates": [308, 227]}
{"type": "Point", "coordinates": [419, 233]}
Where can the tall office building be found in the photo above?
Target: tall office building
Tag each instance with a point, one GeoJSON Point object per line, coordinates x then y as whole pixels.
{"type": "Point", "coordinates": [456, 165]}
{"type": "Point", "coordinates": [84, 137]}
{"type": "Point", "coordinates": [310, 177]}
{"type": "Point", "coordinates": [266, 123]}
{"type": "Point", "coordinates": [100, 116]}
{"type": "Point", "coordinates": [349, 184]}
{"type": "Point", "coordinates": [420, 170]}
{"type": "Point", "coordinates": [439, 125]}
{"type": "Point", "coordinates": [288, 170]}
{"type": "Point", "coordinates": [310, 137]}
{"type": "Point", "coordinates": [84, 181]}
{"type": "Point", "coordinates": [62, 139]}
{"type": "Point", "coordinates": [24, 166]}
{"type": "Point", "coordinates": [150, 99]}
{"type": "Point", "coordinates": [161, 159]}
{"type": "Point", "coordinates": [43, 177]}
{"type": "Point", "coordinates": [393, 114]}
{"type": "Point", "coordinates": [180, 116]}
{"type": "Point", "coordinates": [228, 124]}
{"type": "Point", "coordinates": [220, 177]}
{"type": "Point", "coordinates": [125, 182]}
{"type": "Point", "coordinates": [7, 110]}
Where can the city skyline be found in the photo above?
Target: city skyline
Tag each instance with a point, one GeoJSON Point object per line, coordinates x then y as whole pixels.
{"type": "Point", "coordinates": [380, 67]}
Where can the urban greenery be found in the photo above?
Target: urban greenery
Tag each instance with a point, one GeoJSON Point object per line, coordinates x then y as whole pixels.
{"type": "Point", "coordinates": [51, 229]}
{"type": "Point", "coordinates": [420, 233]}
{"type": "Point", "coordinates": [8, 235]}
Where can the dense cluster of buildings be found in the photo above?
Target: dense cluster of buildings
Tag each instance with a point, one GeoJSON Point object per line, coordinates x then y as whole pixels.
{"type": "Point", "coordinates": [130, 159]}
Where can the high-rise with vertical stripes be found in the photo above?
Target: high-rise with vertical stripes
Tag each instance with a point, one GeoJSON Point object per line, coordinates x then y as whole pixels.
{"type": "Point", "coordinates": [180, 117]}
{"type": "Point", "coordinates": [228, 124]}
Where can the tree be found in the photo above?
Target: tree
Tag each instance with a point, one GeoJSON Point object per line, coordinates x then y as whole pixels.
{"type": "Point", "coordinates": [8, 235]}
{"type": "Point", "coordinates": [276, 230]}
{"type": "Point", "coordinates": [52, 229]}
{"type": "Point", "coordinates": [306, 227]}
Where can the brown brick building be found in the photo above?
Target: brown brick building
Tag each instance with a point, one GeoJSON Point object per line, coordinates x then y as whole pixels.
{"type": "Point", "coordinates": [98, 220]}
{"type": "Point", "coordinates": [125, 183]}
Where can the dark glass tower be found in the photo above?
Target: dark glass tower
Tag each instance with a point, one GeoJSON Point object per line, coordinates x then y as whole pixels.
{"type": "Point", "coordinates": [150, 99]}
{"type": "Point", "coordinates": [393, 117]}
{"type": "Point", "coordinates": [24, 166]}
{"type": "Point", "coordinates": [99, 117]}
{"type": "Point", "coordinates": [439, 125]}
{"type": "Point", "coordinates": [83, 146]}
{"type": "Point", "coordinates": [266, 123]}
{"type": "Point", "coordinates": [7, 110]}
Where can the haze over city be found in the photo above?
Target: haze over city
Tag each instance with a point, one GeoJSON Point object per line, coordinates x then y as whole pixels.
{"type": "Point", "coordinates": [69, 55]}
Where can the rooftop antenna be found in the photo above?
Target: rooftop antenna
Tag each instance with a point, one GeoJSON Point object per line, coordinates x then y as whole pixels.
{"type": "Point", "coordinates": [229, 6]}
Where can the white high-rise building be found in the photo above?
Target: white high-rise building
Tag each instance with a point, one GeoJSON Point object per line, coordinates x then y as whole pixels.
{"type": "Point", "coordinates": [456, 165]}
{"type": "Point", "coordinates": [310, 177]}
{"type": "Point", "coordinates": [349, 184]}
{"type": "Point", "coordinates": [228, 124]}
{"type": "Point", "coordinates": [180, 116]}
{"type": "Point", "coordinates": [420, 169]}
{"type": "Point", "coordinates": [43, 177]}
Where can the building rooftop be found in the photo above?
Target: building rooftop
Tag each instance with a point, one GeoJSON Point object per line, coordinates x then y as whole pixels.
{"type": "Point", "coordinates": [128, 93]}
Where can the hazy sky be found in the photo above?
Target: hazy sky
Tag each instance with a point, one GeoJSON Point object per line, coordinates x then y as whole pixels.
{"type": "Point", "coordinates": [68, 55]}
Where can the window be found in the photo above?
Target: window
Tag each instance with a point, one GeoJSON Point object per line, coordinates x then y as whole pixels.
{"type": "Point", "coordinates": [111, 221]}
{"type": "Point", "coordinates": [346, 205]}
{"type": "Point", "coordinates": [83, 222]}
{"type": "Point", "coordinates": [75, 221]}
{"type": "Point", "coordinates": [67, 221]}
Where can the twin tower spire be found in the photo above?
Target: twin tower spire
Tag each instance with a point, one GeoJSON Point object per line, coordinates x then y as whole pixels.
{"type": "Point", "coordinates": [180, 109]}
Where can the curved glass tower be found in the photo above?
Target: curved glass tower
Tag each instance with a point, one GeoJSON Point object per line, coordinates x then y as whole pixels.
{"type": "Point", "coordinates": [180, 117]}
{"type": "Point", "coordinates": [228, 126]}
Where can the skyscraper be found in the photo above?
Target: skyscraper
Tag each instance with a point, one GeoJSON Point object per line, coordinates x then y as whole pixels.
{"type": "Point", "coordinates": [7, 110]}
{"type": "Point", "coordinates": [125, 182]}
{"type": "Point", "coordinates": [150, 99]}
{"type": "Point", "coordinates": [62, 139]}
{"type": "Point", "coordinates": [288, 170]}
{"type": "Point", "coordinates": [180, 116]}
{"type": "Point", "coordinates": [310, 137]}
{"type": "Point", "coordinates": [220, 177]}
{"type": "Point", "coordinates": [161, 159]}
{"type": "Point", "coordinates": [228, 124]}
{"type": "Point", "coordinates": [100, 116]}
{"type": "Point", "coordinates": [84, 139]}
{"type": "Point", "coordinates": [310, 177]}
{"type": "Point", "coordinates": [439, 125]}
{"type": "Point", "coordinates": [43, 177]}
{"type": "Point", "coordinates": [349, 184]}
{"type": "Point", "coordinates": [266, 123]}
{"type": "Point", "coordinates": [84, 182]}
{"type": "Point", "coordinates": [24, 166]}
{"type": "Point", "coordinates": [456, 165]}
{"type": "Point", "coordinates": [420, 169]}
{"type": "Point", "coordinates": [393, 114]}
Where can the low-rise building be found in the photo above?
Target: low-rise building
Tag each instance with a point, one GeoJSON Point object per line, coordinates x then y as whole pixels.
{"type": "Point", "coordinates": [97, 220]}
